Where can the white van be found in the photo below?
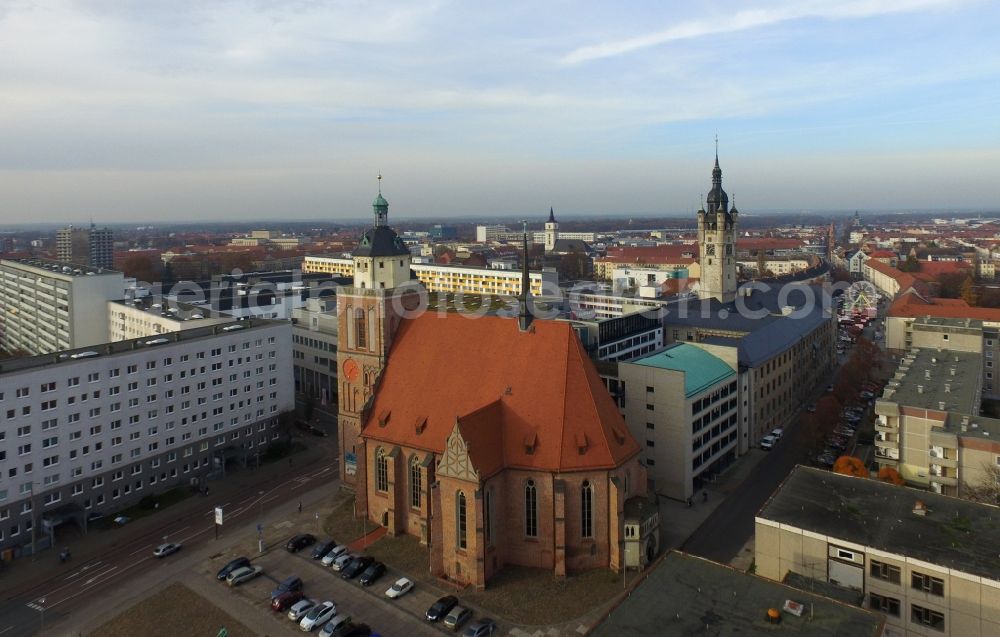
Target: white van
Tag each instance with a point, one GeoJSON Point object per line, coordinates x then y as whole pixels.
{"type": "Point", "coordinates": [767, 442]}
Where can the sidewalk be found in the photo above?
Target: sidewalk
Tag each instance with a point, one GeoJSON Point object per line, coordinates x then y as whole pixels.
{"type": "Point", "coordinates": [23, 573]}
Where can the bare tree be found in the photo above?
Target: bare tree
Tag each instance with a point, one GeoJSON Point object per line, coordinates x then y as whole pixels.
{"type": "Point", "coordinates": [988, 489]}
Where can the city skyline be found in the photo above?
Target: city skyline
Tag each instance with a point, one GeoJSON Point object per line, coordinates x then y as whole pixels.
{"type": "Point", "coordinates": [271, 110]}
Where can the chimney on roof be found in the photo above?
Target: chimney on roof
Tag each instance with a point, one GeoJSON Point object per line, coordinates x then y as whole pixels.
{"type": "Point", "coordinates": [941, 405]}
{"type": "Point", "coordinates": [920, 389]}
{"type": "Point", "coordinates": [919, 508]}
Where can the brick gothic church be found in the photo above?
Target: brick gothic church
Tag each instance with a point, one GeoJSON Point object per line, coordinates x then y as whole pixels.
{"type": "Point", "coordinates": [491, 439]}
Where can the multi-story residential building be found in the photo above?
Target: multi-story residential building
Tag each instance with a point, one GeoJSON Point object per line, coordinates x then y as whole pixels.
{"type": "Point", "coordinates": [93, 247]}
{"type": "Point", "coordinates": [665, 258]}
{"type": "Point", "coordinates": [683, 403]}
{"type": "Point", "coordinates": [928, 425]}
{"type": "Point", "coordinates": [47, 306]}
{"type": "Point", "coordinates": [499, 232]}
{"type": "Point", "coordinates": [100, 428]}
{"type": "Point", "coordinates": [951, 324]}
{"type": "Point", "coordinates": [153, 315]}
{"type": "Point", "coordinates": [774, 265]}
{"type": "Point", "coordinates": [450, 279]}
{"type": "Point", "coordinates": [927, 562]}
{"type": "Point", "coordinates": [595, 304]}
{"type": "Point", "coordinates": [314, 349]}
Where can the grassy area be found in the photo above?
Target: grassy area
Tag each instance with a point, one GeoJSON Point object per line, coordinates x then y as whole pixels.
{"type": "Point", "coordinates": [176, 610]}
{"type": "Point", "coordinates": [148, 505]}
{"type": "Point", "coordinates": [405, 554]}
{"type": "Point", "coordinates": [341, 524]}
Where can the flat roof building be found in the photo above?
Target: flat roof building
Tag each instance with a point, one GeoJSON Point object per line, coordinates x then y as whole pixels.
{"type": "Point", "coordinates": [93, 430]}
{"type": "Point", "coordinates": [681, 405]}
{"type": "Point", "coordinates": [688, 595]}
{"type": "Point", "coordinates": [47, 306]}
{"type": "Point", "coordinates": [928, 562]}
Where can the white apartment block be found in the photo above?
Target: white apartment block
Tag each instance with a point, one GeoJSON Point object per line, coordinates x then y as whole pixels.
{"type": "Point", "coordinates": [47, 306]}
{"type": "Point", "coordinates": [448, 279]}
{"type": "Point", "coordinates": [95, 430]}
{"type": "Point", "coordinates": [153, 315]}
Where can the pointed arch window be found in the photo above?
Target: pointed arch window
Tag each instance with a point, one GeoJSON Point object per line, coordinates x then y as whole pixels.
{"type": "Point", "coordinates": [587, 509]}
{"type": "Point", "coordinates": [381, 470]}
{"type": "Point", "coordinates": [488, 516]}
{"type": "Point", "coordinates": [530, 509]}
{"type": "Point", "coordinates": [415, 482]}
{"type": "Point", "coordinates": [460, 524]}
{"type": "Point", "coordinates": [360, 329]}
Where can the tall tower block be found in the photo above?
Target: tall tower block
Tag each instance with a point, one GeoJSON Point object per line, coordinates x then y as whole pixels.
{"type": "Point", "coordinates": [717, 242]}
{"type": "Point", "coordinates": [366, 322]}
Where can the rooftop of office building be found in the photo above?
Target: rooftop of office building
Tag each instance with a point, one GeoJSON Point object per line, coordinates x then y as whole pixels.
{"type": "Point", "coordinates": [16, 365]}
{"type": "Point", "coordinates": [58, 267]}
{"type": "Point", "coordinates": [935, 379]}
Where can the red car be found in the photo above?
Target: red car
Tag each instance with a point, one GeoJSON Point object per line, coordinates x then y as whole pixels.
{"type": "Point", "coordinates": [283, 602]}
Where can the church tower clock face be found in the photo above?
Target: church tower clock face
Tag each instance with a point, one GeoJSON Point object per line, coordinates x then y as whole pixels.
{"type": "Point", "coordinates": [351, 370]}
{"type": "Point", "coordinates": [710, 249]}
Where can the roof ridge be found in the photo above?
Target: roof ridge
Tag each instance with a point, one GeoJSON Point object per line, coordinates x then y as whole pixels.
{"type": "Point", "coordinates": [590, 391]}
{"type": "Point", "coordinates": [569, 335]}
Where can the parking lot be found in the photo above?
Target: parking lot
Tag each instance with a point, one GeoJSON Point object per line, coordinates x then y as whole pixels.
{"type": "Point", "coordinates": [368, 605]}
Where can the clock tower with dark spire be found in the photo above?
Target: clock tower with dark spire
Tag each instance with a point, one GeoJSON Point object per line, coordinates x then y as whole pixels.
{"type": "Point", "coordinates": [717, 241]}
{"type": "Point", "coordinates": [367, 320]}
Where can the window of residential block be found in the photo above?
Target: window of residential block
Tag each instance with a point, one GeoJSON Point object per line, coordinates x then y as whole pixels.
{"type": "Point", "coordinates": [928, 584]}
{"type": "Point", "coordinates": [926, 617]}
{"type": "Point", "coordinates": [885, 572]}
{"type": "Point", "coordinates": [887, 605]}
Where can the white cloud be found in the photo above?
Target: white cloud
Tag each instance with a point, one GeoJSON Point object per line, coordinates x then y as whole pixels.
{"type": "Point", "coordinates": [746, 19]}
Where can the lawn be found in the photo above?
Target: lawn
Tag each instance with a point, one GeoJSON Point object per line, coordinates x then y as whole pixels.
{"type": "Point", "coordinates": [526, 596]}
{"type": "Point", "coordinates": [175, 610]}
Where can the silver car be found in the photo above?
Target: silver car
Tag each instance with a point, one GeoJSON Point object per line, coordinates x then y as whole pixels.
{"type": "Point", "coordinates": [299, 609]}
{"type": "Point", "coordinates": [334, 553]}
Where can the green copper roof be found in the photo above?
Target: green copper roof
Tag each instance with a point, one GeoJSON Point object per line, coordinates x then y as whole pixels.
{"type": "Point", "coordinates": [380, 201]}
{"type": "Point", "coordinates": [701, 369]}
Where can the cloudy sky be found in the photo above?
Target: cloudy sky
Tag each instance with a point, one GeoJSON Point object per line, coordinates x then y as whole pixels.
{"type": "Point", "coordinates": [176, 109]}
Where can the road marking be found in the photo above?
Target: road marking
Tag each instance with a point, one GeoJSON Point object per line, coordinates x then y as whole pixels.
{"type": "Point", "coordinates": [6, 629]}
{"type": "Point", "coordinates": [144, 548]}
{"type": "Point", "coordinates": [34, 606]}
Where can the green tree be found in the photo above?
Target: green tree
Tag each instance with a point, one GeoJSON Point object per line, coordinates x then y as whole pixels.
{"type": "Point", "coordinates": [910, 265]}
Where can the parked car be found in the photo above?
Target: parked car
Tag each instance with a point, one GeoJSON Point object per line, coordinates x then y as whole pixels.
{"type": "Point", "coordinates": [337, 622]}
{"type": "Point", "coordinates": [300, 608]}
{"type": "Point", "coordinates": [224, 572]}
{"type": "Point", "coordinates": [318, 615]}
{"type": "Point", "coordinates": [283, 602]}
{"type": "Point", "coordinates": [164, 550]}
{"type": "Point", "coordinates": [333, 554]}
{"type": "Point", "coordinates": [829, 388]}
{"type": "Point", "coordinates": [778, 433]}
{"type": "Point", "coordinates": [767, 442]}
{"type": "Point", "coordinates": [372, 573]}
{"type": "Point", "coordinates": [441, 608]}
{"type": "Point", "coordinates": [244, 574]}
{"type": "Point", "coordinates": [342, 561]}
{"type": "Point", "coordinates": [292, 583]}
{"type": "Point", "coordinates": [299, 542]}
{"type": "Point", "coordinates": [483, 627]}
{"type": "Point", "coordinates": [458, 616]}
{"type": "Point", "coordinates": [356, 566]}
{"type": "Point", "coordinates": [400, 587]}
{"type": "Point", "coordinates": [811, 409]}
{"type": "Point", "coordinates": [321, 549]}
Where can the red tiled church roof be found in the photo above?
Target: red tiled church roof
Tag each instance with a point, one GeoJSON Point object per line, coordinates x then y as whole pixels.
{"type": "Point", "coordinates": [521, 399]}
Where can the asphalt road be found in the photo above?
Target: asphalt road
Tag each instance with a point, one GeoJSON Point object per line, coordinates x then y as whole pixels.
{"type": "Point", "coordinates": [50, 599]}
{"type": "Point", "coordinates": [724, 533]}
